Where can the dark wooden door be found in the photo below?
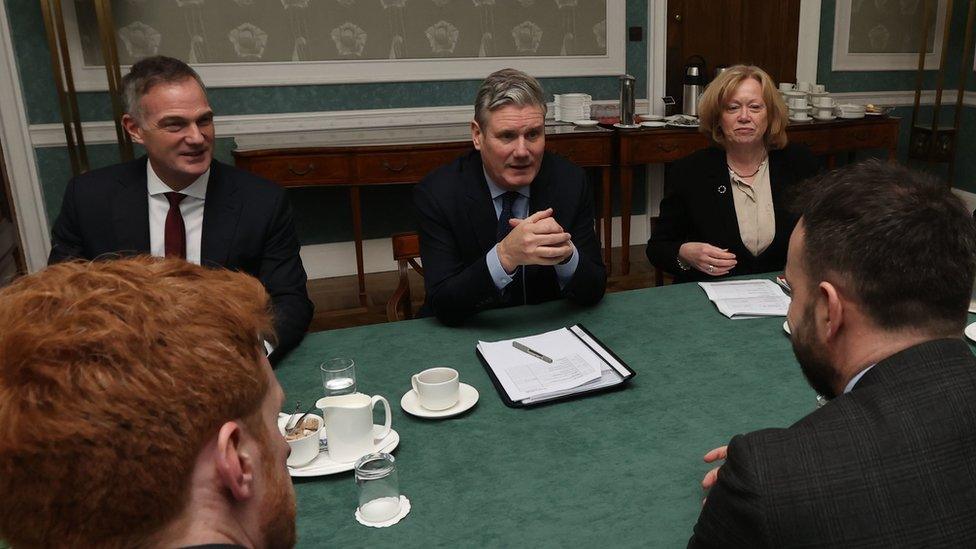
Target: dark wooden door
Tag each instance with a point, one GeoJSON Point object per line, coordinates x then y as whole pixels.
{"type": "Point", "coordinates": [727, 32]}
{"type": "Point", "coordinates": [11, 253]}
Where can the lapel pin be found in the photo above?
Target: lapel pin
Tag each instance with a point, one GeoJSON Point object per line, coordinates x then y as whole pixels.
{"type": "Point", "coordinates": [721, 189]}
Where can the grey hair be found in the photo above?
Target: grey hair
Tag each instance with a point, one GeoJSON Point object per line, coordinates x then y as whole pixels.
{"type": "Point", "coordinates": [507, 87]}
{"type": "Point", "coordinates": [149, 72]}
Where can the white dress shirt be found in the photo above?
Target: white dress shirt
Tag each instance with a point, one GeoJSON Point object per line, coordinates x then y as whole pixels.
{"type": "Point", "coordinates": [754, 209]}
{"type": "Point", "coordinates": [191, 207]}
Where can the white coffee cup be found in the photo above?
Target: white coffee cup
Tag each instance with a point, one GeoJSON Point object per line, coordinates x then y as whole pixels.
{"type": "Point", "coordinates": [798, 102]}
{"type": "Point", "coordinates": [304, 449]}
{"type": "Point", "coordinates": [823, 102]}
{"type": "Point", "coordinates": [801, 115]}
{"type": "Point", "coordinates": [436, 388]}
{"type": "Point", "coordinates": [819, 88]}
{"type": "Point", "coordinates": [803, 86]}
{"type": "Point", "coordinates": [824, 113]}
{"type": "Point", "coordinates": [786, 86]}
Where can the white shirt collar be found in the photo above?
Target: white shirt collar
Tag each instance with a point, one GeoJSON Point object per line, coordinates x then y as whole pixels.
{"type": "Point", "coordinates": [497, 191]}
{"type": "Point", "coordinates": [857, 377]}
{"type": "Point", "coordinates": [155, 185]}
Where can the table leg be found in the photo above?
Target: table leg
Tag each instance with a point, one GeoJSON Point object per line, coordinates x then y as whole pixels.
{"type": "Point", "coordinates": [607, 214]}
{"type": "Point", "coordinates": [626, 192]}
{"type": "Point", "coordinates": [357, 232]}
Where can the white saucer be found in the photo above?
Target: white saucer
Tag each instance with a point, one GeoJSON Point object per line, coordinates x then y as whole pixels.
{"type": "Point", "coordinates": [851, 115]}
{"type": "Point", "coordinates": [786, 328]}
{"type": "Point", "coordinates": [825, 118]}
{"type": "Point", "coordinates": [324, 465]}
{"type": "Point", "coordinates": [586, 123]}
{"type": "Point", "coordinates": [467, 398]}
{"type": "Point", "coordinates": [971, 331]}
{"type": "Point", "coordinates": [626, 126]}
{"type": "Point", "coordinates": [807, 119]}
{"type": "Point", "coordinates": [653, 124]}
{"type": "Point", "coordinates": [649, 117]}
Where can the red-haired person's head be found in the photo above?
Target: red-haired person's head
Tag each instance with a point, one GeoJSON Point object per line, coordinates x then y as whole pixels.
{"type": "Point", "coordinates": [137, 409]}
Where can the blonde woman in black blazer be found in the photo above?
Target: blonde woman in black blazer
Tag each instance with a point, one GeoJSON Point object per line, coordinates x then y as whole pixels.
{"type": "Point", "coordinates": [702, 232]}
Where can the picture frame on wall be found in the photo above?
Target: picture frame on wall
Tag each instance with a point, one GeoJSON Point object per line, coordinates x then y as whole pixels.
{"type": "Point", "coordinates": [295, 42]}
{"type": "Point", "coordinates": [884, 35]}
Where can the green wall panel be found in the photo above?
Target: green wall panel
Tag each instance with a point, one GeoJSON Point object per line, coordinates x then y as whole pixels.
{"type": "Point", "coordinates": [322, 215]}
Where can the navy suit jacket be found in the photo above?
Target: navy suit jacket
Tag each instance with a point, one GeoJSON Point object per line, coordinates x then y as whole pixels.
{"type": "Point", "coordinates": [458, 226]}
{"type": "Point", "coordinates": [890, 464]}
{"type": "Point", "coordinates": [698, 207]}
{"type": "Point", "coordinates": [247, 226]}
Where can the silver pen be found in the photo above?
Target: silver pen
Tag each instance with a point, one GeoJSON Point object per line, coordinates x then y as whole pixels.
{"type": "Point", "coordinates": [525, 349]}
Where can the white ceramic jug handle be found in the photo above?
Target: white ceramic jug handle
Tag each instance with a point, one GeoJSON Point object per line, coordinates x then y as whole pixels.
{"type": "Point", "coordinates": [413, 383]}
{"type": "Point", "coordinates": [387, 425]}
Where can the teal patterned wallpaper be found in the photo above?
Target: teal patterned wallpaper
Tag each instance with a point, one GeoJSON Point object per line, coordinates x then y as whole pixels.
{"type": "Point", "coordinates": [322, 215]}
{"type": "Point", "coordinates": [848, 81]}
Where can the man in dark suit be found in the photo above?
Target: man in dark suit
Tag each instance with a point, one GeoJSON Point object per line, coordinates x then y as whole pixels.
{"type": "Point", "coordinates": [507, 224]}
{"type": "Point", "coordinates": [881, 265]}
{"type": "Point", "coordinates": [181, 202]}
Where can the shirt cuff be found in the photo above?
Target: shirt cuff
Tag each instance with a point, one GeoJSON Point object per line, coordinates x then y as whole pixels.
{"type": "Point", "coordinates": [268, 348]}
{"type": "Point", "coordinates": [565, 272]}
{"type": "Point", "coordinates": [495, 269]}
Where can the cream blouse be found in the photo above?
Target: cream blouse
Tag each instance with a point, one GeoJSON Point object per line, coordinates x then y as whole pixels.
{"type": "Point", "coordinates": [754, 209]}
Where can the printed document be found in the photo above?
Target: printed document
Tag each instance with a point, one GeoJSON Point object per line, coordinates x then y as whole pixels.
{"type": "Point", "coordinates": [747, 298]}
{"type": "Point", "coordinates": [527, 378]}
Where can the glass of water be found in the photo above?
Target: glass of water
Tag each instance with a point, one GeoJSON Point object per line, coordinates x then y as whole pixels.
{"type": "Point", "coordinates": [379, 487]}
{"type": "Point", "coordinates": [338, 376]}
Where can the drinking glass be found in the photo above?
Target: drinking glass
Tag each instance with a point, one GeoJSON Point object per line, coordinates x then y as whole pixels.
{"type": "Point", "coordinates": [379, 487]}
{"type": "Point", "coordinates": [338, 376]}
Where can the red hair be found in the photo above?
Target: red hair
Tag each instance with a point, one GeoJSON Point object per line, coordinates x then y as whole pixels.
{"type": "Point", "coordinates": [113, 376]}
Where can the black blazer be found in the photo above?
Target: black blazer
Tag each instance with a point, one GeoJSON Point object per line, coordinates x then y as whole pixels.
{"type": "Point", "coordinates": [457, 223]}
{"type": "Point", "coordinates": [890, 464]}
{"type": "Point", "coordinates": [698, 207]}
{"type": "Point", "coordinates": [247, 226]}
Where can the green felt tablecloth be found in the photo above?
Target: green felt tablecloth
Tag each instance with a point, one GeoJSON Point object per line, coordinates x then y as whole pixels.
{"type": "Point", "coordinates": [615, 469]}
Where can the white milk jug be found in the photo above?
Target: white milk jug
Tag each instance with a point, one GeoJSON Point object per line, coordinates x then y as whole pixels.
{"type": "Point", "coordinates": [349, 425]}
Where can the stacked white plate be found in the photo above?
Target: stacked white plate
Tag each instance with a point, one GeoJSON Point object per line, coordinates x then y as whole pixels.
{"type": "Point", "coordinates": [572, 106]}
{"type": "Point", "coordinates": [850, 110]}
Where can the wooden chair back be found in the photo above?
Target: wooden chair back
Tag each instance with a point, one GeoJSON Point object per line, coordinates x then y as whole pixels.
{"type": "Point", "coordinates": [406, 252]}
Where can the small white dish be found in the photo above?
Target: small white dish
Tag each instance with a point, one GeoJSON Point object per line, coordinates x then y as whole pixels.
{"type": "Point", "coordinates": [626, 126]}
{"type": "Point", "coordinates": [586, 123]}
{"type": "Point", "coordinates": [786, 328]}
{"type": "Point", "coordinates": [653, 124]}
{"type": "Point", "coordinates": [324, 465]}
{"type": "Point", "coordinates": [851, 115]}
{"type": "Point", "coordinates": [797, 119]}
{"type": "Point", "coordinates": [467, 397]}
{"type": "Point", "coordinates": [971, 331]}
{"type": "Point", "coordinates": [649, 117]}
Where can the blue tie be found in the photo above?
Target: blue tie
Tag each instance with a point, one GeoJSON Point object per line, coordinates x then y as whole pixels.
{"type": "Point", "coordinates": [508, 200]}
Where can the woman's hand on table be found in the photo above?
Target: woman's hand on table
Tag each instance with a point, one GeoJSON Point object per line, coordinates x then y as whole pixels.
{"type": "Point", "coordinates": [707, 258]}
{"type": "Point", "coordinates": [712, 476]}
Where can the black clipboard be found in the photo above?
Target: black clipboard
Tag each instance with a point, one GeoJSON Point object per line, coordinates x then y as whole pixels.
{"type": "Point", "coordinates": [628, 374]}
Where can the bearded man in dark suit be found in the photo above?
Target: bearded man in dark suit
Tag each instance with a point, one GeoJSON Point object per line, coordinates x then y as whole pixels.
{"type": "Point", "coordinates": [508, 223]}
{"type": "Point", "coordinates": [881, 266]}
{"type": "Point", "coordinates": [180, 202]}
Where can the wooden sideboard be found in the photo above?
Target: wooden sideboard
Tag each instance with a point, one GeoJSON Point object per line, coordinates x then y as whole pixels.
{"type": "Point", "coordinates": [357, 158]}
{"type": "Point", "coordinates": [400, 156]}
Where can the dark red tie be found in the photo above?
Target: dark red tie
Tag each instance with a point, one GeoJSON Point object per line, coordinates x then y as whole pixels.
{"type": "Point", "coordinates": [175, 232]}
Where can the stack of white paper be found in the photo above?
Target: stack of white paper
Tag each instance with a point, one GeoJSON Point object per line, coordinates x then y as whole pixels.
{"type": "Point", "coordinates": [747, 298]}
{"type": "Point", "coordinates": [575, 367]}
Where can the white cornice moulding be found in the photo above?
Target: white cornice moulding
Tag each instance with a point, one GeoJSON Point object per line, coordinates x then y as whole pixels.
{"type": "Point", "coordinates": [103, 132]}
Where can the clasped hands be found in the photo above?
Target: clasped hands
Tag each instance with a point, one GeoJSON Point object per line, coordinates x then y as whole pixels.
{"type": "Point", "coordinates": [706, 258]}
{"type": "Point", "coordinates": [535, 240]}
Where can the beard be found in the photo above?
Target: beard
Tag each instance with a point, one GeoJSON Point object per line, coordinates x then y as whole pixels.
{"type": "Point", "coordinates": [812, 357]}
{"type": "Point", "coordinates": [278, 503]}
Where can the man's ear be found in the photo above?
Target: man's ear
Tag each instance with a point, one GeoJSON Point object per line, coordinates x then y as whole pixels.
{"type": "Point", "coordinates": [476, 134]}
{"type": "Point", "coordinates": [235, 465]}
{"type": "Point", "coordinates": [132, 127]}
{"type": "Point", "coordinates": [831, 308]}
